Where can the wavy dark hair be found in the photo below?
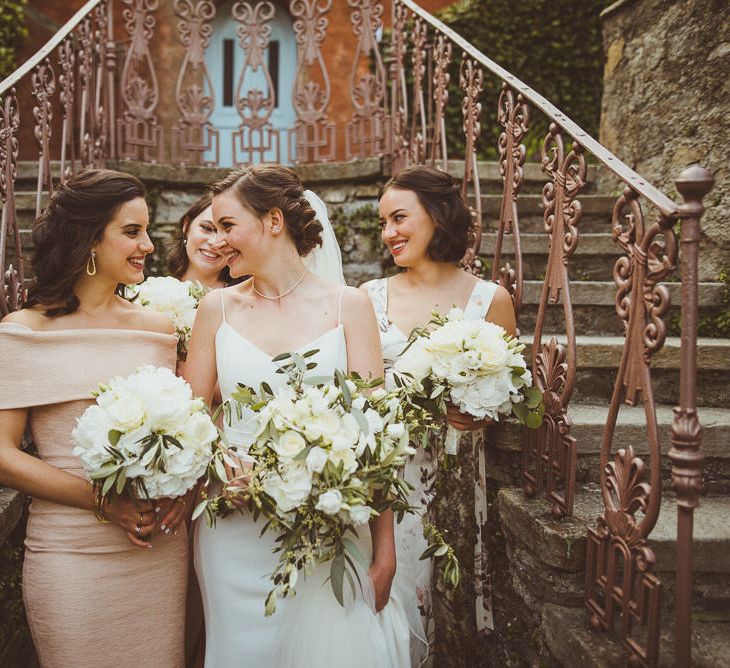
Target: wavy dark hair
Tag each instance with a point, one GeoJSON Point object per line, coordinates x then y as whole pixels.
{"type": "Point", "coordinates": [441, 197]}
{"type": "Point", "coordinates": [262, 188]}
{"type": "Point", "coordinates": [73, 221]}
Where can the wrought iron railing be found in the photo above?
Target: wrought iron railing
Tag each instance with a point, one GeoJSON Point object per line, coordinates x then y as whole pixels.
{"type": "Point", "coordinates": [77, 75]}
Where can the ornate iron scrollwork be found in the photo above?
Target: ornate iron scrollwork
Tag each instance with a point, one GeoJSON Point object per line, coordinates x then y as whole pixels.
{"type": "Point", "coordinates": [255, 137]}
{"type": "Point", "coordinates": [140, 137]}
{"type": "Point", "coordinates": [619, 581]}
{"type": "Point", "coordinates": [314, 136]}
{"type": "Point", "coordinates": [368, 132]}
{"type": "Point", "coordinates": [194, 136]}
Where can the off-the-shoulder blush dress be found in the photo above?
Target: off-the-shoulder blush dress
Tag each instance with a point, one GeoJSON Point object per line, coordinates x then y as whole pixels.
{"type": "Point", "coordinates": [92, 598]}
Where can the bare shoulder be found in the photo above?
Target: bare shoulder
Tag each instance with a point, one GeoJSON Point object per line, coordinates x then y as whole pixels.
{"type": "Point", "coordinates": [32, 318]}
{"type": "Point", "coordinates": [355, 298]}
{"type": "Point", "coordinates": [502, 311]}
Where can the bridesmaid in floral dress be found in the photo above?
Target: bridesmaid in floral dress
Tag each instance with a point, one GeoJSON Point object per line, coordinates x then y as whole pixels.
{"type": "Point", "coordinates": [426, 225]}
{"type": "Point", "coordinates": [102, 585]}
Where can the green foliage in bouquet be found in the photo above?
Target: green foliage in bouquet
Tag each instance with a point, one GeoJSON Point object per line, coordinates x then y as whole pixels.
{"type": "Point", "coordinates": [327, 456]}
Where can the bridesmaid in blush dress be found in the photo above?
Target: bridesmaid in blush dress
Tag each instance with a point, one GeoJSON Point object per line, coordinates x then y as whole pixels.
{"type": "Point", "coordinates": [102, 585]}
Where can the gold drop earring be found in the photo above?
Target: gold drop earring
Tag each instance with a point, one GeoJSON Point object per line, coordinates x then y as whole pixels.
{"type": "Point", "coordinates": [91, 264]}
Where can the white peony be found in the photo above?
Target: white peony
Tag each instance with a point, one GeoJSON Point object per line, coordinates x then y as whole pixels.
{"type": "Point", "coordinates": [123, 407]}
{"type": "Point", "coordinates": [289, 489]}
{"type": "Point", "coordinates": [330, 502]}
{"type": "Point", "coordinates": [289, 444]}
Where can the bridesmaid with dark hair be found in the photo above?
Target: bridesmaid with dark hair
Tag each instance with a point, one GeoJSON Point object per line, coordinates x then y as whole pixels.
{"type": "Point", "coordinates": [195, 252]}
{"type": "Point", "coordinates": [427, 227]}
{"type": "Point", "coordinates": [101, 584]}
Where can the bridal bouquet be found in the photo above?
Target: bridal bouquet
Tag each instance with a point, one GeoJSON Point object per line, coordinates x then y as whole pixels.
{"type": "Point", "coordinates": [145, 436]}
{"type": "Point", "coordinates": [178, 299]}
{"type": "Point", "coordinates": [473, 364]}
{"type": "Point", "coordinates": [326, 461]}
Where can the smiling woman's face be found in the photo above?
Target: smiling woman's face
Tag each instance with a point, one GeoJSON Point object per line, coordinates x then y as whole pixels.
{"type": "Point", "coordinates": [203, 244]}
{"type": "Point", "coordinates": [405, 226]}
{"type": "Point", "coordinates": [243, 232]}
{"type": "Point", "coordinates": [121, 251]}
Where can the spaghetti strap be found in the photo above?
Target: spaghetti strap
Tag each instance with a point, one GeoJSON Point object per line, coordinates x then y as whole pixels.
{"type": "Point", "coordinates": [339, 307]}
{"type": "Point", "coordinates": [223, 304]}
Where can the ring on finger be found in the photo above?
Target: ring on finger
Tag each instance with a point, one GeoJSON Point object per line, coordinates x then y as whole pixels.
{"type": "Point", "coordinates": [137, 528]}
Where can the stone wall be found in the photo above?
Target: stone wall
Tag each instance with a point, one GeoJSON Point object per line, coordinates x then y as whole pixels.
{"type": "Point", "coordinates": [666, 97]}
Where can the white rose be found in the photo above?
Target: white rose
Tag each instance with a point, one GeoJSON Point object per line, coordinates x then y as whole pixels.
{"type": "Point", "coordinates": [198, 430]}
{"type": "Point", "coordinates": [324, 425]}
{"type": "Point", "coordinates": [289, 444]}
{"type": "Point", "coordinates": [360, 514]}
{"type": "Point", "coordinates": [316, 459]}
{"type": "Point", "coordinates": [330, 502]}
{"type": "Point", "coordinates": [492, 349]}
{"type": "Point", "coordinates": [124, 409]}
{"type": "Point", "coordinates": [346, 457]}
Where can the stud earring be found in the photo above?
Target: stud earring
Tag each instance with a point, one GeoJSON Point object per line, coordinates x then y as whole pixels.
{"type": "Point", "coordinates": [91, 264]}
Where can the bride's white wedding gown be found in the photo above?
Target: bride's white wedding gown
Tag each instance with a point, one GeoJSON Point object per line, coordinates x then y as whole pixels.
{"type": "Point", "coordinates": [233, 561]}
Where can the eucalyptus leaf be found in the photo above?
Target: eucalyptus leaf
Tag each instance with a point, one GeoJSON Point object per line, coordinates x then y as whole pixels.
{"type": "Point", "coordinates": [114, 435]}
{"type": "Point", "coordinates": [352, 549]}
{"type": "Point", "coordinates": [199, 509]}
{"type": "Point", "coordinates": [337, 577]}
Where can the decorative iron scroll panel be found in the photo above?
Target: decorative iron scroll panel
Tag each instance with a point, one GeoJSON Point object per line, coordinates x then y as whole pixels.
{"type": "Point", "coordinates": [140, 137]}
{"type": "Point", "coordinates": [367, 133]}
{"type": "Point", "coordinates": [314, 135]}
{"type": "Point", "coordinates": [619, 581]}
{"type": "Point", "coordinates": [194, 136]}
{"type": "Point", "coordinates": [549, 452]}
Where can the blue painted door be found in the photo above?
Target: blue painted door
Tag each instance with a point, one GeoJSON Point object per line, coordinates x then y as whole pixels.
{"type": "Point", "coordinates": [225, 59]}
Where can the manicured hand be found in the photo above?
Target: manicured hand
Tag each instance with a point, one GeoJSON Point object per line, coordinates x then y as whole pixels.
{"type": "Point", "coordinates": [173, 512]}
{"type": "Point", "coordinates": [464, 421]}
{"type": "Point", "coordinates": [381, 575]}
{"type": "Point", "coordinates": [136, 518]}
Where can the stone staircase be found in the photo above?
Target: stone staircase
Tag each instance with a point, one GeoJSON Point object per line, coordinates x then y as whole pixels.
{"type": "Point", "coordinates": [539, 594]}
{"type": "Point", "coordinates": [545, 557]}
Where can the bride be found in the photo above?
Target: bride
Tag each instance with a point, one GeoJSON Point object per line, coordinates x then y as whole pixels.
{"type": "Point", "coordinates": [272, 234]}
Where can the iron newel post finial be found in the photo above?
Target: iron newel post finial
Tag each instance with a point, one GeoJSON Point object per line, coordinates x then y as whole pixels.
{"type": "Point", "coordinates": [693, 184]}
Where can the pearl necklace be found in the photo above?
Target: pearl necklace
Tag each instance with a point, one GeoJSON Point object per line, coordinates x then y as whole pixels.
{"type": "Point", "coordinates": [283, 294]}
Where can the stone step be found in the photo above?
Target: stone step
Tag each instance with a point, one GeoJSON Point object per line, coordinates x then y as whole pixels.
{"type": "Point", "coordinates": [596, 213]}
{"type": "Point", "coordinates": [594, 307]}
{"type": "Point", "coordinates": [598, 358]}
{"type": "Point", "coordinates": [589, 421]}
{"type": "Point", "coordinates": [593, 259]}
{"type": "Point", "coordinates": [559, 546]}
{"type": "Point", "coordinates": [490, 179]}
{"type": "Point", "coordinates": [574, 645]}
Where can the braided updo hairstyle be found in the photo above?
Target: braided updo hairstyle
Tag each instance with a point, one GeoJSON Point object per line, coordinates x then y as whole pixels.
{"type": "Point", "coordinates": [73, 221]}
{"type": "Point", "coordinates": [261, 188]}
{"type": "Point", "coordinates": [441, 197]}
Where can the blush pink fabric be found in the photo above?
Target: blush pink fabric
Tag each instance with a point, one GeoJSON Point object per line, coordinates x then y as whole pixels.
{"type": "Point", "coordinates": [92, 598]}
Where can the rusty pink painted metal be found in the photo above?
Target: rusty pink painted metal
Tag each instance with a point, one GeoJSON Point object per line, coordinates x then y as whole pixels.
{"type": "Point", "coordinates": [549, 455]}
{"type": "Point", "coordinates": [140, 135]}
{"type": "Point", "coordinates": [194, 136]}
{"type": "Point", "coordinates": [256, 140]}
{"type": "Point", "coordinates": [471, 80]}
{"type": "Point", "coordinates": [367, 133]}
{"type": "Point", "coordinates": [314, 138]}
{"type": "Point", "coordinates": [513, 115]}
{"type": "Point", "coordinates": [11, 275]}
{"type": "Point", "coordinates": [693, 184]}
{"type": "Point", "coordinates": [619, 578]}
